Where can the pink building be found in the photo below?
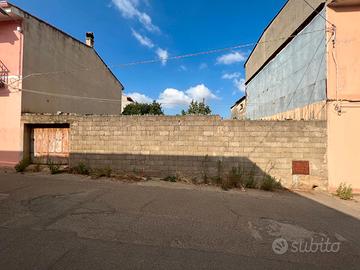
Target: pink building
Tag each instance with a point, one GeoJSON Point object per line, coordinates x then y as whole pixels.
{"type": "Point", "coordinates": [44, 70]}
{"type": "Point", "coordinates": [306, 67]}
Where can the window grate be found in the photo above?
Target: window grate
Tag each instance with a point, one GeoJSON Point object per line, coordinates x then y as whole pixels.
{"type": "Point", "coordinates": [4, 72]}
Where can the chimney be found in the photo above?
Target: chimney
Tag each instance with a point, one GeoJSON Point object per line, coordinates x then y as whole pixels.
{"type": "Point", "coordinates": [90, 39]}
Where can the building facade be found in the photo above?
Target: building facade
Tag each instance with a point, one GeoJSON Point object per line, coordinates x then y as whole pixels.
{"type": "Point", "coordinates": [44, 70]}
{"type": "Point", "coordinates": [238, 109]}
{"type": "Point", "coordinates": [126, 101]}
{"type": "Point", "coordinates": [305, 67]}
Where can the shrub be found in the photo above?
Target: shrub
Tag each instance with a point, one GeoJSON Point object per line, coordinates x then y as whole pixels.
{"type": "Point", "coordinates": [171, 179]}
{"type": "Point", "coordinates": [225, 184]}
{"type": "Point", "coordinates": [104, 172]}
{"type": "Point", "coordinates": [54, 168]}
{"type": "Point", "coordinates": [143, 109]}
{"type": "Point", "coordinates": [81, 168]}
{"type": "Point", "coordinates": [270, 183]}
{"type": "Point", "coordinates": [248, 179]}
{"type": "Point", "coordinates": [37, 168]}
{"type": "Point", "coordinates": [344, 192]}
{"type": "Point", "coordinates": [250, 182]}
{"type": "Point", "coordinates": [22, 165]}
{"type": "Point", "coordinates": [234, 179]}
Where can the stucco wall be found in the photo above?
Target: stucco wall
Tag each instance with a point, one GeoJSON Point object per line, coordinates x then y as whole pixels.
{"type": "Point", "coordinates": [294, 13]}
{"type": "Point", "coordinates": [10, 97]}
{"type": "Point", "coordinates": [345, 82]}
{"type": "Point", "coordinates": [238, 111]}
{"type": "Point", "coordinates": [46, 50]}
{"type": "Point", "coordinates": [193, 146]}
{"type": "Point", "coordinates": [295, 78]}
{"type": "Point", "coordinates": [343, 127]}
{"type": "Point", "coordinates": [344, 145]}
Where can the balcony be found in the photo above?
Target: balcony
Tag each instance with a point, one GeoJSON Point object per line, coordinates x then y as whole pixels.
{"type": "Point", "coordinates": [4, 72]}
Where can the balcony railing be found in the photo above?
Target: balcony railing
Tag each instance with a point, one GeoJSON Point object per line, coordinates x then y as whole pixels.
{"type": "Point", "coordinates": [4, 72]}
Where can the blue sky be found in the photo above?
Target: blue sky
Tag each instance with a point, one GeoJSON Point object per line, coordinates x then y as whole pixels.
{"type": "Point", "coordinates": [133, 30]}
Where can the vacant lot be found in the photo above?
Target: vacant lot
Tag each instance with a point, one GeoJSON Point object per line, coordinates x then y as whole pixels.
{"type": "Point", "coordinates": [72, 222]}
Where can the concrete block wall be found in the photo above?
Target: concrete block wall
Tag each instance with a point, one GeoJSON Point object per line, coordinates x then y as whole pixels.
{"type": "Point", "coordinates": [196, 146]}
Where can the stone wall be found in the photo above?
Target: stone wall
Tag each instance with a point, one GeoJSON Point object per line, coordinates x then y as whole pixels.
{"type": "Point", "coordinates": [196, 146]}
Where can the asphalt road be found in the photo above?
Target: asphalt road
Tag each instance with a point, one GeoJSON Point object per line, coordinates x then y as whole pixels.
{"type": "Point", "coordinates": [71, 222]}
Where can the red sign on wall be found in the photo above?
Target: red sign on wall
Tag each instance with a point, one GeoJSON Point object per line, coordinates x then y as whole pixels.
{"type": "Point", "coordinates": [300, 168]}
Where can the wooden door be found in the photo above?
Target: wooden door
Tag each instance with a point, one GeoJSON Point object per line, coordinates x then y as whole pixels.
{"type": "Point", "coordinates": [50, 145]}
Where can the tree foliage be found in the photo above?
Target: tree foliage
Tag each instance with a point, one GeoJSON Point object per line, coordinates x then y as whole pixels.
{"type": "Point", "coordinates": [143, 109]}
{"type": "Point", "coordinates": [197, 108]}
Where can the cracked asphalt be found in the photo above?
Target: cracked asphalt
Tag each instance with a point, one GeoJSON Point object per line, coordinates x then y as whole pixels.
{"type": "Point", "coordinates": [73, 222]}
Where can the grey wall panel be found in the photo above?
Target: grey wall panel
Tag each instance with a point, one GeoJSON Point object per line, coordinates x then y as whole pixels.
{"type": "Point", "coordinates": [295, 78]}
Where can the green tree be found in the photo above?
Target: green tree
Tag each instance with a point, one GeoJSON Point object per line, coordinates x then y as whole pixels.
{"type": "Point", "coordinates": [143, 109]}
{"type": "Point", "coordinates": [197, 108]}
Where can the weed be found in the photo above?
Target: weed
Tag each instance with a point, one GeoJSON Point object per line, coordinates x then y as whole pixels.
{"type": "Point", "coordinates": [234, 179]}
{"type": "Point", "coordinates": [172, 179]}
{"type": "Point", "coordinates": [104, 172]}
{"type": "Point", "coordinates": [205, 173]}
{"type": "Point", "coordinates": [249, 180]}
{"type": "Point", "coordinates": [37, 168]}
{"type": "Point", "coordinates": [344, 192]}
{"type": "Point", "coordinates": [22, 165]}
{"type": "Point", "coordinates": [226, 184]}
{"type": "Point", "coordinates": [81, 168]}
{"type": "Point", "coordinates": [54, 168]}
{"type": "Point", "coordinates": [218, 179]}
{"type": "Point", "coordinates": [270, 183]}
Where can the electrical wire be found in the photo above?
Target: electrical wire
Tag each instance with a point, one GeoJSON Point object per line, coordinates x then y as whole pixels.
{"type": "Point", "coordinates": [33, 91]}
{"type": "Point", "coordinates": [319, 13]}
{"type": "Point", "coordinates": [63, 95]}
{"type": "Point", "coordinates": [178, 57]}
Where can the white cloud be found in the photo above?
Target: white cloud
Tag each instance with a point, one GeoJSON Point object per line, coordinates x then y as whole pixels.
{"type": "Point", "coordinates": [129, 9]}
{"type": "Point", "coordinates": [231, 58]}
{"type": "Point", "coordinates": [172, 97]}
{"type": "Point", "coordinates": [238, 81]}
{"type": "Point", "coordinates": [140, 98]}
{"type": "Point", "coordinates": [240, 84]}
{"type": "Point", "coordinates": [163, 55]}
{"type": "Point", "coordinates": [145, 41]}
{"type": "Point", "coordinates": [182, 68]}
{"type": "Point", "coordinates": [200, 92]}
{"type": "Point", "coordinates": [231, 76]}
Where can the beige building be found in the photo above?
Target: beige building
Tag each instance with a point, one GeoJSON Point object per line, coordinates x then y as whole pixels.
{"type": "Point", "coordinates": [44, 70]}
{"type": "Point", "coordinates": [306, 67]}
{"type": "Point", "coordinates": [238, 109]}
{"type": "Point", "coordinates": [126, 101]}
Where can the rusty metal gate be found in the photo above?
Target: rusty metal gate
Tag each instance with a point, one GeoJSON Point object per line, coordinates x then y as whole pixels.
{"type": "Point", "coordinates": [50, 145]}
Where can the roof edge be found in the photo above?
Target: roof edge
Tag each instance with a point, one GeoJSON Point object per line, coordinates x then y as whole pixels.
{"type": "Point", "coordinates": [287, 41]}
{"type": "Point", "coordinates": [68, 35]}
{"type": "Point", "coordinates": [238, 102]}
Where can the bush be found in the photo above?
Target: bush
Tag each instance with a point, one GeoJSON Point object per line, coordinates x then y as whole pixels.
{"type": "Point", "coordinates": [270, 183]}
{"type": "Point", "coordinates": [234, 179]}
{"type": "Point", "coordinates": [250, 182]}
{"type": "Point", "coordinates": [344, 192]}
{"type": "Point", "coordinates": [143, 109]}
{"type": "Point", "coordinates": [172, 179]}
{"type": "Point", "coordinates": [81, 168]}
{"type": "Point", "coordinates": [239, 178]}
{"type": "Point", "coordinates": [54, 168]}
{"type": "Point", "coordinates": [37, 168]}
{"type": "Point", "coordinates": [104, 172]}
{"type": "Point", "coordinates": [22, 165]}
